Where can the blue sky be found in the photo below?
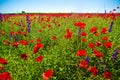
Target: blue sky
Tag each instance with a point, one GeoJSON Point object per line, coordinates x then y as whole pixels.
{"type": "Point", "coordinates": [80, 6]}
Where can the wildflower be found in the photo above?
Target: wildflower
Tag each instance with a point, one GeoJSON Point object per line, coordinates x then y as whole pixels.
{"type": "Point", "coordinates": [93, 70]}
{"type": "Point", "coordinates": [31, 40]}
{"type": "Point", "coordinates": [19, 32]}
{"type": "Point", "coordinates": [15, 38]}
{"type": "Point", "coordinates": [114, 56]}
{"type": "Point", "coordinates": [98, 43]}
{"type": "Point", "coordinates": [54, 37]}
{"type": "Point", "coordinates": [38, 40]}
{"type": "Point", "coordinates": [105, 38]}
{"type": "Point", "coordinates": [107, 75]}
{"type": "Point", "coordinates": [24, 56]}
{"type": "Point", "coordinates": [83, 34]}
{"type": "Point", "coordinates": [83, 40]}
{"type": "Point", "coordinates": [1, 68]}
{"type": "Point", "coordinates": [87, 59]}
{"type": "Point", "coordinates": [43, 27]}
{"type": "Point", "coordinates": [28, 22]}
{"type": "Point", "coordinates": [47, 74]}
{"type": "Point", "coordinates": [83, 64]}
{"type": "Point", "coordinates": [49, 26]}
{"type": "Point", "coordinates": [12, 33]}
{"type": "Point", "coordinates": [108, 44]}
{"type": "Point", "coordinates": [96, 34]}
{"type": "Point", "coordinates": [23, 42]}
{"type": "Point", "coordinates": [2, 32]}
{"type": "Point", "coordinates": [48, 19]}
{"type": "Point", "coordinates": [111, 25]}
{"type": "Point", "coordinates": [104, 30]}
{"type": "Point", "coordinates": [35, 50]}
{"type": "Point", "coordinates": [15, 44]}
{"type": "Point", "coordinates": [6, 42]}
{"type": "Point", "coordinates": [98, 54]}
{"type": "Point", "coordinates": [80, 24]}
{"type": "Point", "coordinates": [3, 61]}
{"type": "Point", "coordinates": [93, 30]}
{"type": "Point", "coordinates": [67, 30]}
{"type": "Point", "coordinates": [91, 45]}
{"type": "Point", "coordinates": [37, 47]}
{"type": "Point", "coordinates": [24, 33]}
{"type": "Point", "coordinates": [39, 58]}
{"type": "Point", "coordinates": [68, 34]}
{"type": "Point", "coordinates": [81, 53]}
{"type": "Point", "coordinates": [5, 76]}
{"type": "Point", "coordinates": [40, 30]}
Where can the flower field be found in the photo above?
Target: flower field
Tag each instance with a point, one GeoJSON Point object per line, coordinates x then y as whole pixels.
{"type": "Point", "coordinates": [60, 46]}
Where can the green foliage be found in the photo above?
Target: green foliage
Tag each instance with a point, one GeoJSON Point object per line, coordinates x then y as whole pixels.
{"type": "Point", "coordinates": [59, 55]}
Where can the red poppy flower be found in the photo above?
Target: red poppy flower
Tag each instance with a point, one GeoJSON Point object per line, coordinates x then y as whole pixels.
{"type": "Point", "coordinates": [107, 75]}
{"type": "Point", "coordinates": [38, 40]}
{"type": "Point", "coordinates": [40, 30]}
{"type": "Point", "coordinates": [80, 24]}
{"type": "Point", "coordinates": [83, 34]}
{"type": "Point", "coordinates": [67, 30]}
{"type": "Point", "coordinates": [98, 54]}
{"type": "Point", "coordinates": [93, 30]}
{"type": "Point", "coordinates": [5, 76]}
{"type": "Point", "coordinates": [96, 34]}
{"type": "Point", "coordinates": [39, 58]}
{"type": "Point", "coordinates": [83, 40]}
{"type": "Point", "coordinates": [15, 44]}
{"type": "Point", "coordinates": [91, 45]}
{"type": "Point", "coordinates": [104, 30]}
{"type": "Point", "coordinates": [68, 35]}
{"type": "Point", "coordinates": [58, 25]}
{"type": "Point", "coordinates": [23, 42]}
{"type": "Point", "coordinates": [12, 33]}
{"type": "Point", "coordinates": [15, 22]}
{"type": "Point", "coordinates": [35, 50]}
{"type": "Point", "coordinates": [3, 61]}
{"type": "Point", "coordinates": [83, 64]}
{"type": "Point", "coordinates": [47, 74]}
{"type": "Point", "coordinates": [24, 56]}
{"type": "Point", "coordinates": [32, 40]}
{"type": "Point", "coordinates": [98, 43]}
{"type": "Point", "coordinates": [105, 38]}
{"type": "Point", "coordinates": [93, 70]}
{"type": "Point", "coordinates": [108, 44]}
{"type": "Point", "coordinates": [1, 68]}
{"type": "Point", "coordinates": [42, 19]}
{"type": "Point", "coordinates": [81, 53]}
{"type": "Point", "coordinates": [49, 26]}
{"type": "Point", "coordinates": [19, 32]}
{"type": "Point", "coordinates": [6, 42]}
{"type": "Point", "coordinates": [48, 19]}
{"type": "Point", "coordinates": [54, 37]}
{"type": "Point", "coordinates": [2, 32]}
{"type": "Point", "coordinates": [27, 29]}
{"type": "Point", "coordinates": [37, 47]}
{"type": "Point", "coordinates": [24, 33]}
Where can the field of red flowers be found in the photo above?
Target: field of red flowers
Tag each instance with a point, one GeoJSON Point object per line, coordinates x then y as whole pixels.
{"type": "Point", "coordinates": [59, 46]}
